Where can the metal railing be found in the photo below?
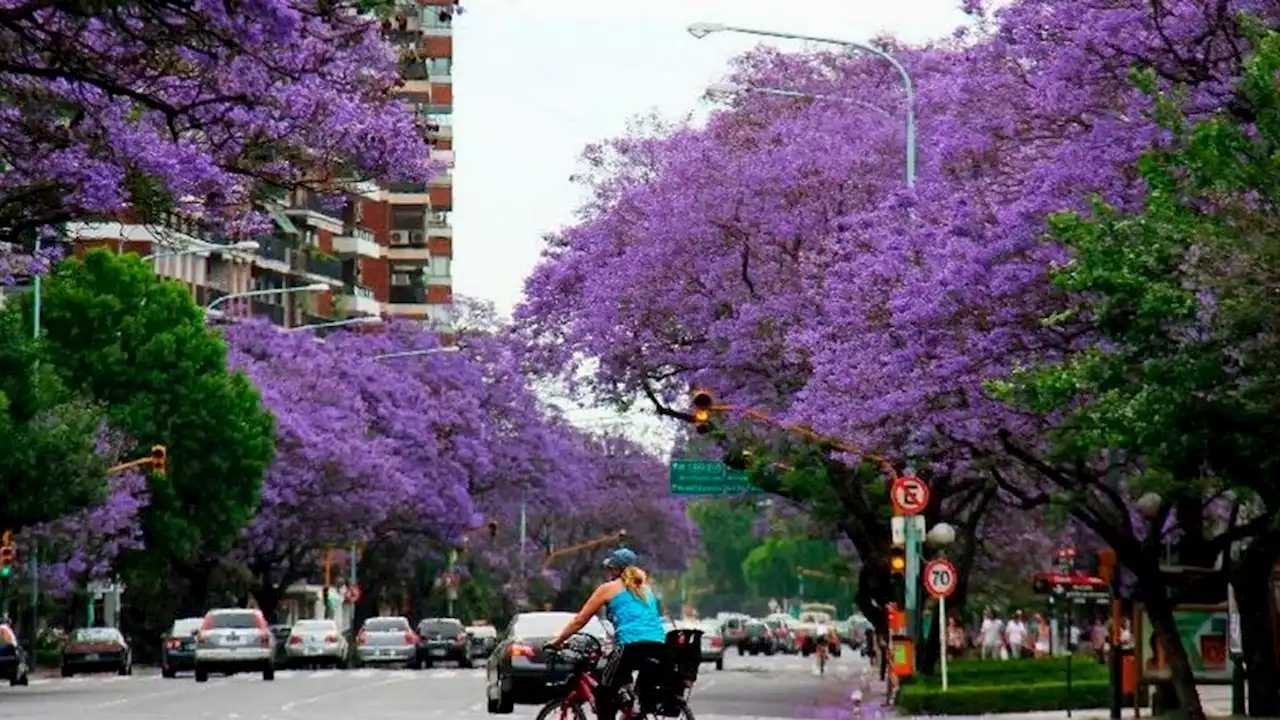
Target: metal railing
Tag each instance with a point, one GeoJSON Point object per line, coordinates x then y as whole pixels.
{"type": "Point", "coordinates": [324, 266]}
{"type": "Point", "coordinates": [273, 248]}
{"type": "Point", "coordinates": [271, 311]}
{"type": "Point", "coordinates": [360, 291]}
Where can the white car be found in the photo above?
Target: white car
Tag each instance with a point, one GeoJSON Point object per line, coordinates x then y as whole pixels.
{"type": "Point", "coordinates": [234, 640]}
{"type": "Point", "coordinates": [316, 642]}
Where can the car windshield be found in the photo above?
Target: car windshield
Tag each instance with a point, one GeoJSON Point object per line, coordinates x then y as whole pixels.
{"type": "Point", "coordinates": [546, 625]}
{"type": "Point", "coordinates": [232, 620]}
{"type": "Point", "coordinates": [186, 626]}
{"type": "Point", "coordinates": [444, 628]}
{"type": "Point", "coordinates": [95, 635]}
{"type": "Point", "coordinates": [315, 626]}
{"type": "Point", "coordinates": [395, 624]}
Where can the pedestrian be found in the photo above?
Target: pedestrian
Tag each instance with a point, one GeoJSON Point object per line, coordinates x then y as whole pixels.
{"type": "Point", "coordinates": [990, 634]}
{"type": "Point", "coordinates": [955, 639]}
{"type": "Point", "coordinates": [1015, 635]}
{"type": "Point", "coordinates": [1041, 636]}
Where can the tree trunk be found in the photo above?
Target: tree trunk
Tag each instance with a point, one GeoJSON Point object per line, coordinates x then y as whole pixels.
{"type": "Point", "coordinates": [268, 596]}
{"type": "Point", "coordinates": [1252, 582]}
{"type": "Point", "coordinates": [1154, 594]}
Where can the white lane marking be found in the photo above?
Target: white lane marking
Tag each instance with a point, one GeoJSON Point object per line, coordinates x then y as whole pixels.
{"type": "Point", "coordinates": [288, 707]}
{"type": "Point", "coordinates": [321, 674]}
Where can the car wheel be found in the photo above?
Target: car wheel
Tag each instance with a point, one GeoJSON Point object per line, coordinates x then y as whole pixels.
{"type": "Point", "coordinates": [466, 663]}
{"type": "Point", "coordinates": [202, 675]}
{"type": "Point", "coordinates": [269, 673]}
{"type": "Point", "coordinates": [341, 664]}
{"type": "Point", "coordinates": [741, 651]}
{"type": "Point", "coordinates": [169, 673]}
{"type": "Point", "coordinates": [720, 664]}
{"type": "Point", "coordinates": [506, 703]}
{"type": "Point", "coordinates": [67, 672]}
{"type": "Point", "coordinates": [426, 665]}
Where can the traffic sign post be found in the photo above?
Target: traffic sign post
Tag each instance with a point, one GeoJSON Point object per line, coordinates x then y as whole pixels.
{"type": "Point", "coordinates": [909, 496]}
{"type": "Point", "coordinates": [940, 578]}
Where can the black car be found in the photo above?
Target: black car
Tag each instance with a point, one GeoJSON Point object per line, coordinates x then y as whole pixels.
{"type": "Point", "coordinates": [94, 650]}
{"type": "Point", "coordinates": [442, 640]}
{"type": "Point", "coordinates": [757, 638]}
{"type": "Point", "coordinates": [517, 671]}
{"type": "Point", "coordinates": [178, 647]}
{"type": "Point", "coordinates": [13, 660]}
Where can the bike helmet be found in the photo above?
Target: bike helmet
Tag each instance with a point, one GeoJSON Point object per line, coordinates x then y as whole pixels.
{"type": "Point", "coordinates": [621, 558]}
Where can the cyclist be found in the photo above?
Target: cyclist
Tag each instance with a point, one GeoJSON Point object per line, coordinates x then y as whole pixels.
{"type": "Point", "coordinates": [639, 635]}
{"type": "Point", "coordinates": [821, 643]}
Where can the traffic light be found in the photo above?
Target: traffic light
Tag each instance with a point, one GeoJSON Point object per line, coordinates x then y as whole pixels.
{"type": "Point", "coordinates": [702, 402]}
{"type": "Point", "coordinates": [898, 561]}
{"type": "Point", "coordinates": [6, 554]}
{"type": "Point", "coordinates": [159, 459]}
{"type": "Point", "coordinates": [493, 529]}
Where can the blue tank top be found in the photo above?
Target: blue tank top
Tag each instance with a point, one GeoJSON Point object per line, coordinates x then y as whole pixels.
{"type": "Point", "coordinates": [635, 620]}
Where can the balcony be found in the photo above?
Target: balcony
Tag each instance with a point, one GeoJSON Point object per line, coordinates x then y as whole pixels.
{"type": "Point", "coordinates": [271, 247]}
{"type": "Point", "coordinates": [438, 225]}
{"type": "Point", "coordinates": [415, 89]}
{"type": "Point", "coordinates": [359, 300]}
{"type": "Point", "coordinates": [271, 311]}
{"type": "Point", "coordinates": [407, 188]}
{"type": "Point", "coordinates": [408, 295]}
{"type": "Point", "coordinates": [311, 209]}
{"type": "Point", "coordinates": [357, 241]}
{"type": "Point", "coordinates": [326, 267]}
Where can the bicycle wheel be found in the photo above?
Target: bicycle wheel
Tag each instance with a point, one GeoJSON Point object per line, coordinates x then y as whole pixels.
{"type": "Point", "coordinates": [556, 710]}
{"type": "Point", "coordinates": [682, 711]}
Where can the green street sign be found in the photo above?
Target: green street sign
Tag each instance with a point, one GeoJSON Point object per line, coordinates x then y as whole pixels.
{"type": "Point", "coordinates": [707, 477]}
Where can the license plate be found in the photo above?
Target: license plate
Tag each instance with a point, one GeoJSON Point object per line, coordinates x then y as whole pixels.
{"type": "Point", "coordinates": [313, 651]}
{"type": "Point", "coordinates": [437, 653]}
{"type": "Point", "coordinates": [384, 653]}
{"type": "Point", "coordinates": [91, 657]}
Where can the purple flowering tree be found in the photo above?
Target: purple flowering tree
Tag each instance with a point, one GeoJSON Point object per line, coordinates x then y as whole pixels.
{"type": "Point", "coordinates": [156, 106]}
{"type": "Point", "coordinates": [81, 548]}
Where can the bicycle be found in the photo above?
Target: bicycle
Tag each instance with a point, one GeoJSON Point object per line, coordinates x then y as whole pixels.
{"type": "Point", "coordinates": [821, 649]}
{"type": "Point", "coordinates": [583, 654]}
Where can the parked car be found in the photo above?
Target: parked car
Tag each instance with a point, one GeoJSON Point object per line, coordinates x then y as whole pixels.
{"type": "Point", "coordinates": [386, 640]}
{"type": "Point", "coordinates": [178, 647]}
{"type": "Point", "coordinates": [712, 643]}
{"type": "Point", "coordinates": [234, 640]}
{"type": "Point", "coordinates": [316, 642]}
{"type": "Point", "coordinates": [481, 639]}
{"type": "Point", "coordinates": [757, 638]}
{"type": "Point", "coordinates": [13, 659]}
{"type": "Point", "coordinates": [95, 650]}
{"type": "Point", "coordinates": [442, 640]}
{"type": "Point", "coordinates": [518, 671]}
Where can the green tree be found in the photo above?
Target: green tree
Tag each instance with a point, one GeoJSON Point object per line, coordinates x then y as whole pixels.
{"type": "Point", "coordinates": [139, 345]}
{"type": "Point", "coordinates": [727, 531]}
{"type": "Point", "coordinates": [793, 563]}
{"type": "Point", "coordinates": [48, 436]}
{"type": "Point", "coordinates": [1183, 294]}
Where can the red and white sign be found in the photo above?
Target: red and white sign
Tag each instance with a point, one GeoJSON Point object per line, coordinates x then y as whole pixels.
{"type": "Point", "coordinates": [909, 495]}
{"type": "Point", "coordinates": [940, 578]}
{"type": "Point", "coordinates": [353, 594]}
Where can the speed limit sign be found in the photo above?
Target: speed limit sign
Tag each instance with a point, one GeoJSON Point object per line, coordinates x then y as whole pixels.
{"type": "Point", "coordinates": [940, 578]}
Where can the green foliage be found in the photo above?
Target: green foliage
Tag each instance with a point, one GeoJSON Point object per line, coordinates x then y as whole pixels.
{"type": "Point", "coordinates": [773, 568]}
{"type": "Point", "coordinates": [973, 671]}
{"type": "Point", "coordinates": [51, 467]}
{"type": "Point", "coordinates": [139, 345]}
{"type": "Point", "coordinates": [727, 530]}
{"type": "Point", "coordinates": [1011, 697]}
{"type": "Point", "coordinates": [1183, 295]}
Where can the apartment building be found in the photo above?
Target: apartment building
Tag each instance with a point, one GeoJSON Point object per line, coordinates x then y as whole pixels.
{"type": "Point", "coordinates": [386, 250]}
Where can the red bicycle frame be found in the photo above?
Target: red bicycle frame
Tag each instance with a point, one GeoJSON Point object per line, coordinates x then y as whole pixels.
{"type": "Point", "coordinates": [582, 691]}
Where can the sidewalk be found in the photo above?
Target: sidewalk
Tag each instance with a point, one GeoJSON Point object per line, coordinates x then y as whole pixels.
{"type": "Point", "coordinates": [1215, 698]}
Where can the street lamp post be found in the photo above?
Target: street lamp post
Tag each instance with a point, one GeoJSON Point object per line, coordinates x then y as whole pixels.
{"type": "Point", "coordinates": [246, 245]}
{"type": "Point", "coordinates": [362, 320]}
{"type": "Point", "coordinates": [314, 287]}
{"type": "Point", "coordinates": [724, 90]}
{"type": "Point", "coordinates": [416, 353]}
{"type": "Point", "coordinates": [701, 30]}
{"type": "Point", "coordinates": [942, 536]}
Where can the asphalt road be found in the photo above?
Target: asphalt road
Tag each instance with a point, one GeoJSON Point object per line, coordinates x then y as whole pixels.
{"type": "Point", "coordinates": [764, 687]}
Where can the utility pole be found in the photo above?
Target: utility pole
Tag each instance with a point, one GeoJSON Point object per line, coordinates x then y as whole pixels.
{"type": "Point", "coordinates": [33, 562]}
{"type": "Point", "coordinates": [524, 530]}
{"type": "Point", "coordinates": [451, 582]}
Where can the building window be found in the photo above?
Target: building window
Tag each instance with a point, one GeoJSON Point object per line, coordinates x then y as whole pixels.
{"type": "Point", "coordinates": [440, 67]}
{"type": "Point", "coordinates": [436, 18]}
{"type": "Point", "coordinates": [441, 267]}
{"type": "Point", "coordinates": [412, 217]}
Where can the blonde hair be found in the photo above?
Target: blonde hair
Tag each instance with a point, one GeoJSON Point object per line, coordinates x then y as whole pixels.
{"type": "Point", "coordinates": [633, 579]}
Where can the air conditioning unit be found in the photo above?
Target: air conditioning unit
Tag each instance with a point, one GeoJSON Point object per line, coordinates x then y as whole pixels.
{"type": "Point", "coordinates": [399, 237]}
{"type": "Point", "coordinates": [400, 279]}
{"type": "Point", "coordinates": [418, 237]}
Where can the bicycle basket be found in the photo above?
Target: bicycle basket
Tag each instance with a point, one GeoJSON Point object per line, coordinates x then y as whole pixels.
{"type": "Point", "coordinates": [580, 652]}
{"type": "Point", "coordinates": [684, 655]}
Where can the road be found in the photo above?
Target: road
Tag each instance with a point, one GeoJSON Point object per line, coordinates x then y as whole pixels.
{"type": "Point", "coordinates": [765, 687]}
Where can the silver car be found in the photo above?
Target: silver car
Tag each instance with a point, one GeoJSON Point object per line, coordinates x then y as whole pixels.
{"type": "Point", "coordinates": [385, 640]}
{"type": "Point", "coordinates": [317, 642]}
{"type": "Point", "coordinates": [234, 640]}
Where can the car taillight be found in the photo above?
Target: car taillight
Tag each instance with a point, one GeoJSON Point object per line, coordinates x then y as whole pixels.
{"type": "Point", "coordinates": [331, 638]}
{"type": "Point", "coordinates": [295, 640]}
{"type": "Point", "coordinates": [362, 638]}
{"type": "Point", "coordinates": [173, 644]}
{"type": "Point", "coordinates": [410, 638]}
{"type": "Point", "coordinates": [461, 638]}
{"type": "Point", "coordinates": [524, 651]}
{"type": "Point", "coordinates": [717, 641]}
{"type": "Point", "coordinates": [264, 638]}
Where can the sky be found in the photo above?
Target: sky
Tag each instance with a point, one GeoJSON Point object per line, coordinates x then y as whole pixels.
{"type": "Point", "coordinates": [535, 81]}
